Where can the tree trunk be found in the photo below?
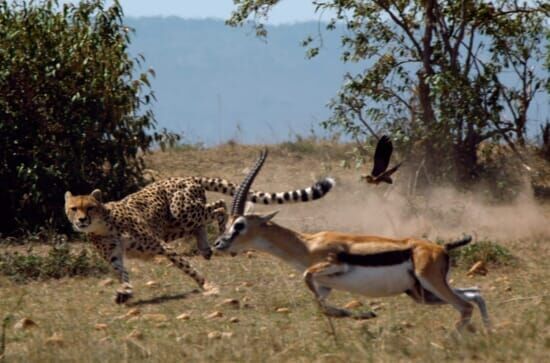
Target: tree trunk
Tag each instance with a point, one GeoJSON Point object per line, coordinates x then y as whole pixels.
{"type": "Point", "coordinates": [466, 159]}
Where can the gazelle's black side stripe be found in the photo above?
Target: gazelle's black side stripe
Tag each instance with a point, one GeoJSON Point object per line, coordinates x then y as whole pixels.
{"type": "Point", "coordinates": [387, 258]}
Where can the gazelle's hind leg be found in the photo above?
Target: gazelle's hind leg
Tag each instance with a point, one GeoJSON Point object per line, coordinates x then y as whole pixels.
{"type": "Point", "coordinates": [423, 296]}
{"type": "Point", "coordinates": [439, 287]}
{"type": "Point", "coordinates": [472, 294]}
{"type": "Point", "coordinates": [321, 292]}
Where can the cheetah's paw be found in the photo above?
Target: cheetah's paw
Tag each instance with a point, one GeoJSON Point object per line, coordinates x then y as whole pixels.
{"type": "Point", "coordinates": [206, 253]}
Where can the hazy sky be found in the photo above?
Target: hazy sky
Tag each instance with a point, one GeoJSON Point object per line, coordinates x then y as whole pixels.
{"type": "Point", "coordinates": [287, 11]}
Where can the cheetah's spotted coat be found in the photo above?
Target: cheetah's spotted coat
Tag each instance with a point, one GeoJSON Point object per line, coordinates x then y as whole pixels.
{"type": "Point", "coordinates": [141, 224]}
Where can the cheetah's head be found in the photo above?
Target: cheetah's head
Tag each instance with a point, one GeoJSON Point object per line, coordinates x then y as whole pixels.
{"type": "Point", "coordinates": [84, 211]}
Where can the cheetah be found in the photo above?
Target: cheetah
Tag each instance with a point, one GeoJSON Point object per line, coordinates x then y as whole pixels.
{"type": "Point", "coordinates": [141, 224]}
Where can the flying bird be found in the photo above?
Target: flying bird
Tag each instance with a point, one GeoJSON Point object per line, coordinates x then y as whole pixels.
{"type": "Point", "coordinates": [382, 155]}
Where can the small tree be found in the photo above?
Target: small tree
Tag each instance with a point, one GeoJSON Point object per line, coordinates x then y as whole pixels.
{"type": "Point", "coordinates": [435, 73]}
{"type": "Point", "coordinates": [71, 108]}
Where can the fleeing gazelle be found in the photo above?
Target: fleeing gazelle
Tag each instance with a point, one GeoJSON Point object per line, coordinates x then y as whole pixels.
{"type": "Point", "coordinates": [369, 265]}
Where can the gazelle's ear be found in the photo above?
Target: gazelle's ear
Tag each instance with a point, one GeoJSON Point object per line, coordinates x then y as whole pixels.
{"type": "Point", "coordinates": [68, 195]}
{"type": "Point", "coordinates": [248, 208]}
{"type": "Point", "coordinates": [97, 195]}
{"type": "Point", "coordinates": [266, 218]}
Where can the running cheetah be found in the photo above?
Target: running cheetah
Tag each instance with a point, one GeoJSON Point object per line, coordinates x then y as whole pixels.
{"type": "Point", "coordinates": [141, 224]}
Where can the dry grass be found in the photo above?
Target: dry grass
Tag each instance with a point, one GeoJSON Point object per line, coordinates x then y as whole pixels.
{"type": "Point", "coordinates": [88, 327]}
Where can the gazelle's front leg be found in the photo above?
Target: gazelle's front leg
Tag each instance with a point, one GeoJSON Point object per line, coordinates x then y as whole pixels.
{"type": "Point", "coordinates": [112, 251]}
{"type": "Point", "coordinates": [321, 293]}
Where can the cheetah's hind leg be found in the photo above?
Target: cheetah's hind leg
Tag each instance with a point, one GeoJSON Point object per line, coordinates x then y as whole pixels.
{"type": "Point", "coordinates": [181, 263]}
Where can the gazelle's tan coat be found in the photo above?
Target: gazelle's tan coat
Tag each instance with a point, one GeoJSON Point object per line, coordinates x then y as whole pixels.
{"type": "Point", "coordinates": [333, 260]}
{"type": "Point", "coordinates": [369, 265]}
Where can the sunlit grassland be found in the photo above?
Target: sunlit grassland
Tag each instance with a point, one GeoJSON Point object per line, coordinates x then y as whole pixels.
{"type": "Point", "coordinates": [72, 309]}
{"type": "Point", "coordinates": [274, 318]}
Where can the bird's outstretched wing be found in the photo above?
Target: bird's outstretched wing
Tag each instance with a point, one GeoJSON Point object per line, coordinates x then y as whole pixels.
{"type": "Point", "coordinates": [386, 176]}
{"type": "Point", "coordinates": [382, 154]}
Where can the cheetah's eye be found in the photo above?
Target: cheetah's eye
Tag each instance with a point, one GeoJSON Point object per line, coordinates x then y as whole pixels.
{"type": "Point", "coordinates": [239, 226]}
{"type": "Point", "coordinates": [73, 209]}
{"type": "Point", "coordinates": [89, 209]}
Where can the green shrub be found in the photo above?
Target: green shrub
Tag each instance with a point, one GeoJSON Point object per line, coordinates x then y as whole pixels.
{"type": "Point", "coordinates": [59, 262]}
{"type": "Point", "coordinates": [71, 108]}
{"type": "Point", "coordinates": [487, 251]}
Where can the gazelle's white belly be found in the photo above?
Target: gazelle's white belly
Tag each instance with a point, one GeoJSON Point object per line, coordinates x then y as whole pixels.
{"type": "Point", "coordinates": [372, 281]}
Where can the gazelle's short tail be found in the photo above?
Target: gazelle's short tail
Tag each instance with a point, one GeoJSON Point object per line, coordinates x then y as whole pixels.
{"type": "Point", "coordinates": [452, 245]}
{"type": "Point", "coordinates": [316, 191]}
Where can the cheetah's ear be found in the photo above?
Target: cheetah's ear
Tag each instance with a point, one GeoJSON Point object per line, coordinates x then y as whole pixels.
{"type": "Point", "coordinates": [97, 195]}
{"type": "Point", "coordinates": [68, 195]}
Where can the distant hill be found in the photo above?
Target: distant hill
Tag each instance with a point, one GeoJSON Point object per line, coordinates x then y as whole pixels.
{"type": "Point", "coordinates": [214, 82]}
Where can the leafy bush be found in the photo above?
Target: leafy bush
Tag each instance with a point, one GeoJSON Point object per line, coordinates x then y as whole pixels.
{"type": "Point", "coordinates": [487, 251]}
{"type": "Point", "coordinates": [59, 262]}
{"type": "Point", "coordinates": [70, 100]}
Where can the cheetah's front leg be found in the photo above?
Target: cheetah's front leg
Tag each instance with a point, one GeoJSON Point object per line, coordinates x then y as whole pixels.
{"type": "Point", "coordinates": [124, 292]}
{"type": "Point", "coordinates": [202, 242]}
{"type": "Point", "coordinates": [112, 251]}
{"type": "Point", "coordinates": [217, 212]}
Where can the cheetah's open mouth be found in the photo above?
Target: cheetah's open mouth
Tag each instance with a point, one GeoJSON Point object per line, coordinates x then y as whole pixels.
{"type": "Point", "coordinates": [82, 225]}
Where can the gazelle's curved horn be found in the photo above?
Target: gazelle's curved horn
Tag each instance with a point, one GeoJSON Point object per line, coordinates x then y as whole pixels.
{"type": "Point", "coordinates": [237, 206]}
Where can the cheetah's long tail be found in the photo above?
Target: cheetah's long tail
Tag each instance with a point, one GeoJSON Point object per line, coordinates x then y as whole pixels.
{"type": "Point", "coordinates": [316, 191]}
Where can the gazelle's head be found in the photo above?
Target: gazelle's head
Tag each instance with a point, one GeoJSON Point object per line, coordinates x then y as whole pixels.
{"type": "Point", "coordinates": [243, 232]}
{"type": "Point", "coordinates": [243, 229]}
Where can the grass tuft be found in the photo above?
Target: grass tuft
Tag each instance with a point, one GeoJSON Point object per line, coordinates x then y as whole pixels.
{"type": "Point", "coordinates": [59, 262]}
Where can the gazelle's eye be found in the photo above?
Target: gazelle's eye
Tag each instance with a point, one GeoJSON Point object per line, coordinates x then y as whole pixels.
{"type": "Point", "coordinates": [239, 226]}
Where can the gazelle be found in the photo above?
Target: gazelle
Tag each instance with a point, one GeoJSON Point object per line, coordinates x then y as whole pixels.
{"type": "Point", "coordinates": [369, 265]}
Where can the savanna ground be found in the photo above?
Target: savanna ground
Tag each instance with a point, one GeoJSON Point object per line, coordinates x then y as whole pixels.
{"type": "Point", "coordinates": [272, 316]}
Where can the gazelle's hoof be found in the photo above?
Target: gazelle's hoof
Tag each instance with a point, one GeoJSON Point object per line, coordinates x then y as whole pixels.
{"type": "Point", "coordinates": [365, 315]}
{"type": "Point", "coordinates": [467, 327]}
{"type": "Point", "coordinates": [336, 313]}
{"type": "Point", "coordinates": [122, 297]}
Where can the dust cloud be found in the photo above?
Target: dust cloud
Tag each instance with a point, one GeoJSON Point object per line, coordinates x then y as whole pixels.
{"type": "Point", "coordinates": [445, 213]}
